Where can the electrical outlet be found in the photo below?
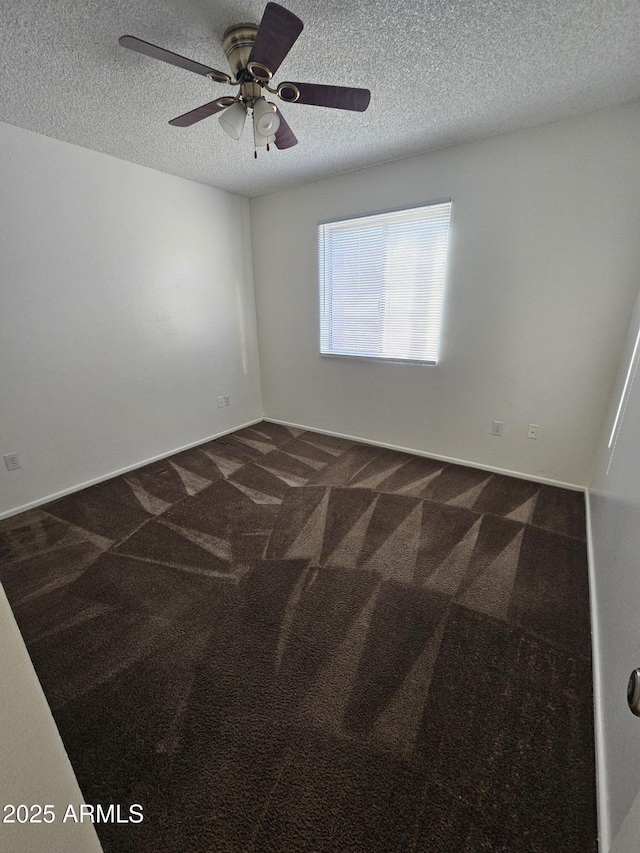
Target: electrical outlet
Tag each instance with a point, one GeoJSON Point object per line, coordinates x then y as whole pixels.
{"type": "Point", "coordinates": [227, 400]}
{"type": "Point", "coordinates": [220, 402]}
{"type": "Point", "coordinates": [497, 428]}
{"type": "Point", "coordinates": [12, 462]}
{"type": "Point", "coordinates": [533, 430]}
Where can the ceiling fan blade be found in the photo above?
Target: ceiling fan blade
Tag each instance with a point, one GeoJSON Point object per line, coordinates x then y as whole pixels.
{"type": "Point", "coordinates": [276, 35]}
{"type": "Point", "coordinates": [156, 52]}
{"type": "Point", "coordinates": [338, 97]}
{"type": "Point", "coordinates": [285, 137]}
{"type": "Point", "coordinates": [198, 114]}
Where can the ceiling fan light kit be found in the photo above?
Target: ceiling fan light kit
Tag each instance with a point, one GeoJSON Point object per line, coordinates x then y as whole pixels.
{"type": "Point", "coordinates": [265, 119]}
{"type": "Point", "coordinates": [254, 54]}
{"type": "Point", "coordinates": [233, 118]}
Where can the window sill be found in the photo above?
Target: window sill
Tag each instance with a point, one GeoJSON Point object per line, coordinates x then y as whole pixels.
{"type": "Point", "coordinates": [378, 359]}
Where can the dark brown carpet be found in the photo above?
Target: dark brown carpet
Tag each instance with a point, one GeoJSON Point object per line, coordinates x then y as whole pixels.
{"type": "Point", "coordinates": [283, 641]}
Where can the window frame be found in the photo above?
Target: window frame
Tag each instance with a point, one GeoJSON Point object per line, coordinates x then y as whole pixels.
{"type": "Point", "coordinates": [322, 289]}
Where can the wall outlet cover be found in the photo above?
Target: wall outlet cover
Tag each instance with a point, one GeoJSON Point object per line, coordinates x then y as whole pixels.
{"type": "Point", "coordinates": [12, 462]}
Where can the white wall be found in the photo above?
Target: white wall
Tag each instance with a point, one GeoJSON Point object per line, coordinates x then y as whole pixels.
{"type": "Point", "coordinates": [543, 259]}
{"type": "Point", "coordinates": [126, 308]}
{"type": "Point", "coordinates": [614, 503]}
{"type": "Point", "coordinates": [34, 767]}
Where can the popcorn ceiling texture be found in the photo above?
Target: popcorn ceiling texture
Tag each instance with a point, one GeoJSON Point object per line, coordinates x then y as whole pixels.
{"type": "Point", "coordinates": [441, 73]}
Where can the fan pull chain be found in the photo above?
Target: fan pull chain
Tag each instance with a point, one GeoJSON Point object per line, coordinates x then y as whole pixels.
{"type": "Point", "coordinates": [255, 154]}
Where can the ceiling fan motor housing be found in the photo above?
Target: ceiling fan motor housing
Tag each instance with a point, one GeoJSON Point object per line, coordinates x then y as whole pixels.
{"type": "Point", "coordinates": [237, 44]}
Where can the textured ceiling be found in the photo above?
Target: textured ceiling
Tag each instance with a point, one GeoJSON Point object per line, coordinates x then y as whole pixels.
{"type": "Point", "coordinates": [441, 72]}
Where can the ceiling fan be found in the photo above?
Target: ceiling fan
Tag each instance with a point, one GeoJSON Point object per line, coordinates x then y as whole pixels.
{"type": "Point", "coordinates": [255, 53]}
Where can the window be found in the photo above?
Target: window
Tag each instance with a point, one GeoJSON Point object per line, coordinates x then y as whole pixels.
{"type": "Point", "coordinates": [382, 284]}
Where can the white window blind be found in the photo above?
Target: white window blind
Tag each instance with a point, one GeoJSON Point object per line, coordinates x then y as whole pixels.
{"type": "Point", "coordinates": [382, 284]}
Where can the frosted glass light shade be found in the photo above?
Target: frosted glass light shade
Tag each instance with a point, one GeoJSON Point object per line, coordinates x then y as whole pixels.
{"type": "Point", "coordinates": [260, 141]}
{"type": "Point", "coordinates": [266, 120]}
{"type": "Point", "coordinates": [232, 120]}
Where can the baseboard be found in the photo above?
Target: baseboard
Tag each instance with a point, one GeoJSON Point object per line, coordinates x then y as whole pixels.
{"type": "Point", "coordinates": [604, 827]}
{"type": "Point", "coordinates": [507, 473]}
{"type": "Point", "coordinates": [102, 478]}
{"type": "Point", "coordinates": [494, 470]}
